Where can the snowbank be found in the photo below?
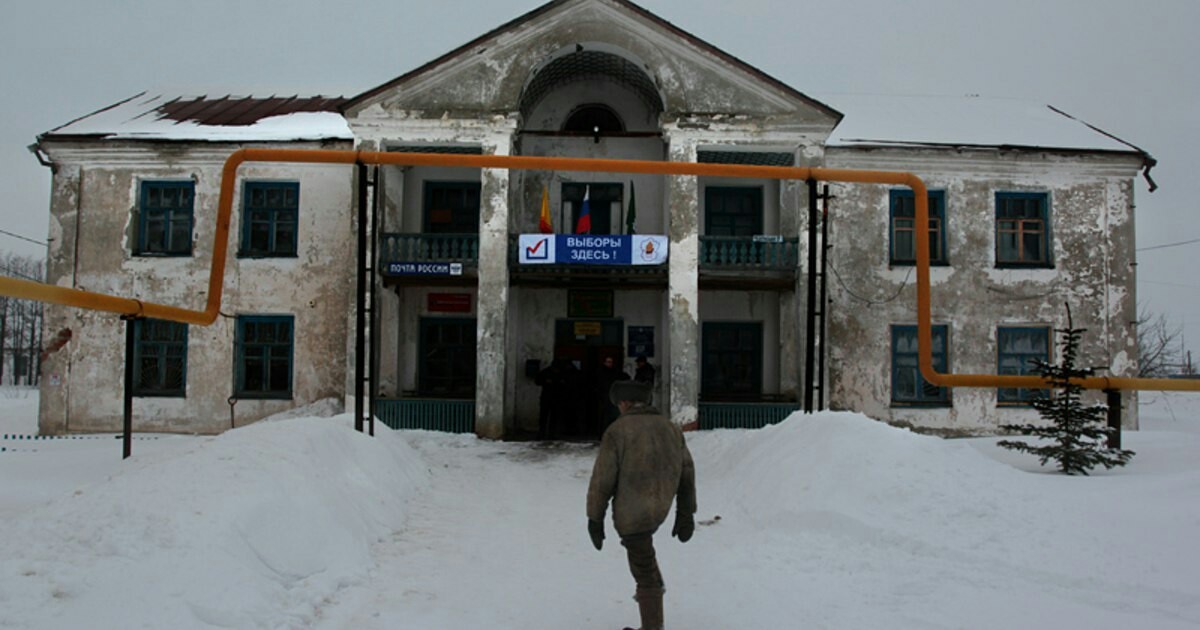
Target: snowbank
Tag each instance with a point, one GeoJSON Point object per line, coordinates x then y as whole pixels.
{"type": "Point", "coordinates": [252, 528]}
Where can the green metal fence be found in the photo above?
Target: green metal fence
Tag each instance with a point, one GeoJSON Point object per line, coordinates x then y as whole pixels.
{"type": "Point", "coordinates": [462, 248]}
{"type": "Point", "coordinates": [744, 415]}
{"type": "Point", "coordinates": [450, 416]}
{"type": "Point", "coordinates": [748, 252]}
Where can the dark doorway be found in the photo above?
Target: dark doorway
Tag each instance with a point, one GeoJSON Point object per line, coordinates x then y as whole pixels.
{"type": "Point", "coordinates": [585, 343]}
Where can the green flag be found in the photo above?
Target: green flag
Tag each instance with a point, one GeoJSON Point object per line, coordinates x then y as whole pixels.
{"type": "Point", "coordinates": [632, 215]}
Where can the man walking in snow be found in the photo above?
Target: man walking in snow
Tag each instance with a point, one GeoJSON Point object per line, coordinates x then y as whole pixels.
{"type": "Point", "coordinates": [643, 465]}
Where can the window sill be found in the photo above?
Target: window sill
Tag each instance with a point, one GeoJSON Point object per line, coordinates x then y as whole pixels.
{"type": "Point", "coordinates": [161, 254]}
{"type": "Point", "coordinates": [262, 396]}
{"type": "Point", "coordinates": [1001, 265]}
{"type": "Point", "coordinates": [244, 256]}
{"type": "Point", "coordinates": [180, 395]}
{"type": "Point", "coordinates": [903, 263]}
{"type": "Point", "coordinates": [899, 404]}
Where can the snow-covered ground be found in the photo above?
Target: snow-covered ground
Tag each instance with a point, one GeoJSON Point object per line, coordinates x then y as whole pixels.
{"type": "Point", "coordinates": [826, 521]}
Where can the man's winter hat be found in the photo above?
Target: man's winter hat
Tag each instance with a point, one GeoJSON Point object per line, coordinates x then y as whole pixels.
{"type": "Point", "coordinates": [632, 391]}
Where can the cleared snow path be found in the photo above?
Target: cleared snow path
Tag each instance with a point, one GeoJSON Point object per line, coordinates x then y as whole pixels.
{"type": "Point", "coordinates": [833, 521]}
{"type": "Point", "coordinates": [498, 540]}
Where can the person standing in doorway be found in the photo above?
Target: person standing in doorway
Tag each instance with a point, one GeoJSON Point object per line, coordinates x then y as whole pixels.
{"type": "Point", "coordinates": [643, 466]}
{"type": "Point", "coordinates": [558, 394]}
{"type": "Point", "coordinates": [643, 371]}
{"type": "Point", "coordinates": [608, 374]}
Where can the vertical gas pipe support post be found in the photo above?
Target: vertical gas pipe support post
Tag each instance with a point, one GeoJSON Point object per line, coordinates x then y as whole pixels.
{"type": "Point", "coordinates": [810, 318]}
{"type": "Point", "coordinates": [373, 352]}
{"type": "Point", "coordinates": [1114, 417]}
{"type": "Point", "coordinates": [360, 301]}
{"type": "Point", "coordinates": [127, 424]}
{"type": "Point", "coordinates": [824, 295]}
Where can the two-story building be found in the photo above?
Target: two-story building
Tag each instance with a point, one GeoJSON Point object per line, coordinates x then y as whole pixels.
{"type": "Point", "coordinates": [1031, 209]}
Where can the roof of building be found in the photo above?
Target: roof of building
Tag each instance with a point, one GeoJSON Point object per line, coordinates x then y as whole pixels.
{"type": "Point", "coordinates": [963, 121]}
{"type": "Point", "coordinates": [871, 120]}
{"type": "Point", "coordinates": [146, 116]}
{"type": "Point", "coordinates": [532, 15]}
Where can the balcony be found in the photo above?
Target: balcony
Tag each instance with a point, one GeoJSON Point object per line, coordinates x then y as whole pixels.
{"type": "Point", "coordinates": [459, 248]}
{"type": "Point", "coordinates": [762, 253]}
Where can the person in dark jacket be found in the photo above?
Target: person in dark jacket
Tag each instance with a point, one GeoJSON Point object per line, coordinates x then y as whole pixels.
{"type": "Point", "coordinates": [606, 410]}
{"type": "Point", "coordinates": [644, 372]}
{"type": "Point", "coordinates": [559, 382]}
{"type": "Point", "coordinates": [642, 467]}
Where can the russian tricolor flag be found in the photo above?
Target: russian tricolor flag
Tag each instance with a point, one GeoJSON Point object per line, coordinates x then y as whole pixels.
{"type": "Point", "coordinates": [584, 224]}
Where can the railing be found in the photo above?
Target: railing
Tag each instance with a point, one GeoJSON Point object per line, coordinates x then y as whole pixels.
{"type": "Point", "coordinates": [463, 248]}
{"type": "Point", "coordinates": [743, 415]}
{"type": "Point", "coordinates": [450, 416]}
{"type": "Point", "coordinates": [748, 252]}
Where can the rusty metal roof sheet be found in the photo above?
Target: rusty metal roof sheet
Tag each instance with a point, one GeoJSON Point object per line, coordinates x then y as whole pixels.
{"type": "Point", "coordinates": [203, 118]}
{"type": "Point", "coordinates": [234, 111]}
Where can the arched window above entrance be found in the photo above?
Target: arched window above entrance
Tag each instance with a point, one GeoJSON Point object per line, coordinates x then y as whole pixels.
{"type": "Point", "coordinates": [594, 119]}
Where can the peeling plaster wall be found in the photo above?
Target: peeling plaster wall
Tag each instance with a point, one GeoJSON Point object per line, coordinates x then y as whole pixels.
{"type": "Point", "coordinates": [1091, 212]}
{"type": "Point", "coordinates": [96, 195]}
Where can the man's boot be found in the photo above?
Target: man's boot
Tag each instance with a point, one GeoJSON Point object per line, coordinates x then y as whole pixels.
{"type": "Point", "coordinates": [650, 605]}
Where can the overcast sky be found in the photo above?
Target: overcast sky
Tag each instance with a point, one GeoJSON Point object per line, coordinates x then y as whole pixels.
{"type": "Point", "coordinates": [1127, 67]}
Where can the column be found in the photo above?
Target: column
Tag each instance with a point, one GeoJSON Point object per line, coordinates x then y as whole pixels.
{"type": "Point", "coordinates": [683, 286]}
{"type": "Point", "coordinates": [492, 303]}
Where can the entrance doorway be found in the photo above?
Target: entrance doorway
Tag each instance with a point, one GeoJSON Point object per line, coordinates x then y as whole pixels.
{"type": "Point", "coordinates": [585, 343]}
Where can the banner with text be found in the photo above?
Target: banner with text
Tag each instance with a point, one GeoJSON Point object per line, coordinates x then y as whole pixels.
{"type": "Point", "coordinates": [592, 249]}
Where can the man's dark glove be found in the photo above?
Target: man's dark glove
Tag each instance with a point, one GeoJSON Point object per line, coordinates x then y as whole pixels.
{"type": "Point", "coordinates": [596, 531]}
{"type": "Point", "coordinates": [684, 527]}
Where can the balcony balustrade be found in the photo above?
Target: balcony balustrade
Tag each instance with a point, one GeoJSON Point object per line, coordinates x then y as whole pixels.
{"type": "Point", "coordinates": [748, 252]}
{"type": "Point", "coordinates": [460, 248]}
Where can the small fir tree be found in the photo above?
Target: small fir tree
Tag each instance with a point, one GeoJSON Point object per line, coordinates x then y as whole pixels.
{"type": "Point", "coordinates": [1078, 433]}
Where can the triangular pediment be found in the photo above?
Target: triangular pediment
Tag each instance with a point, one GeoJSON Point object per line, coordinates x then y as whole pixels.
{"type": "Point", "coordinates": [491, 74]}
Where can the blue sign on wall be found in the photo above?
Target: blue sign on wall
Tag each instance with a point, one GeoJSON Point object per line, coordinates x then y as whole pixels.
{"type": "Point", "coordinates": [592, 249]}
{"type": "Point", "coordinates": [641, 341]}
{"type": "Point", "coordinates": [423, 269]}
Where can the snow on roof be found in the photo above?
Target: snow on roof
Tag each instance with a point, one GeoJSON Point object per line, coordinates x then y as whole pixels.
{"type": "Point", "coordinates": [213, 119]}
{"type": "Point", "coordinates": [870, 119]}
{"type": "Point", "coordinates": [877, 119]}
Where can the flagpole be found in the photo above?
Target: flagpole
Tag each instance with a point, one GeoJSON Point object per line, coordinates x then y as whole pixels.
{"type": "Point", "coordinates": [622, 204]}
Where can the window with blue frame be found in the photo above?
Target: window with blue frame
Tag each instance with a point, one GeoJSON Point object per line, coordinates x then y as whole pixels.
{"type": "Point", "coordinates": [908, 386]}
{"type": "Point", "coordinates": [159, 358]}
{"type": "Point", "coordinates": [903, 235]}
{"type": "Point", "coordinates": [264, 350]}
{"type": "Point", "coordinates": [270, 215]}
{"type": "Point", "coordinates": [452, 207]}
{"type": "Point", "coordinates": [447, 365]}
{"type": "Point", "coordinates": [733, 211]}
{"type": "Point", "coordinates": [731, 357]}
{"type": "Point", "coordinates": [165, 217]}
{"type": "Point", "coordinates": [1017, 349]}
{"type": "Point", "coordinates": [1023, 230]}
